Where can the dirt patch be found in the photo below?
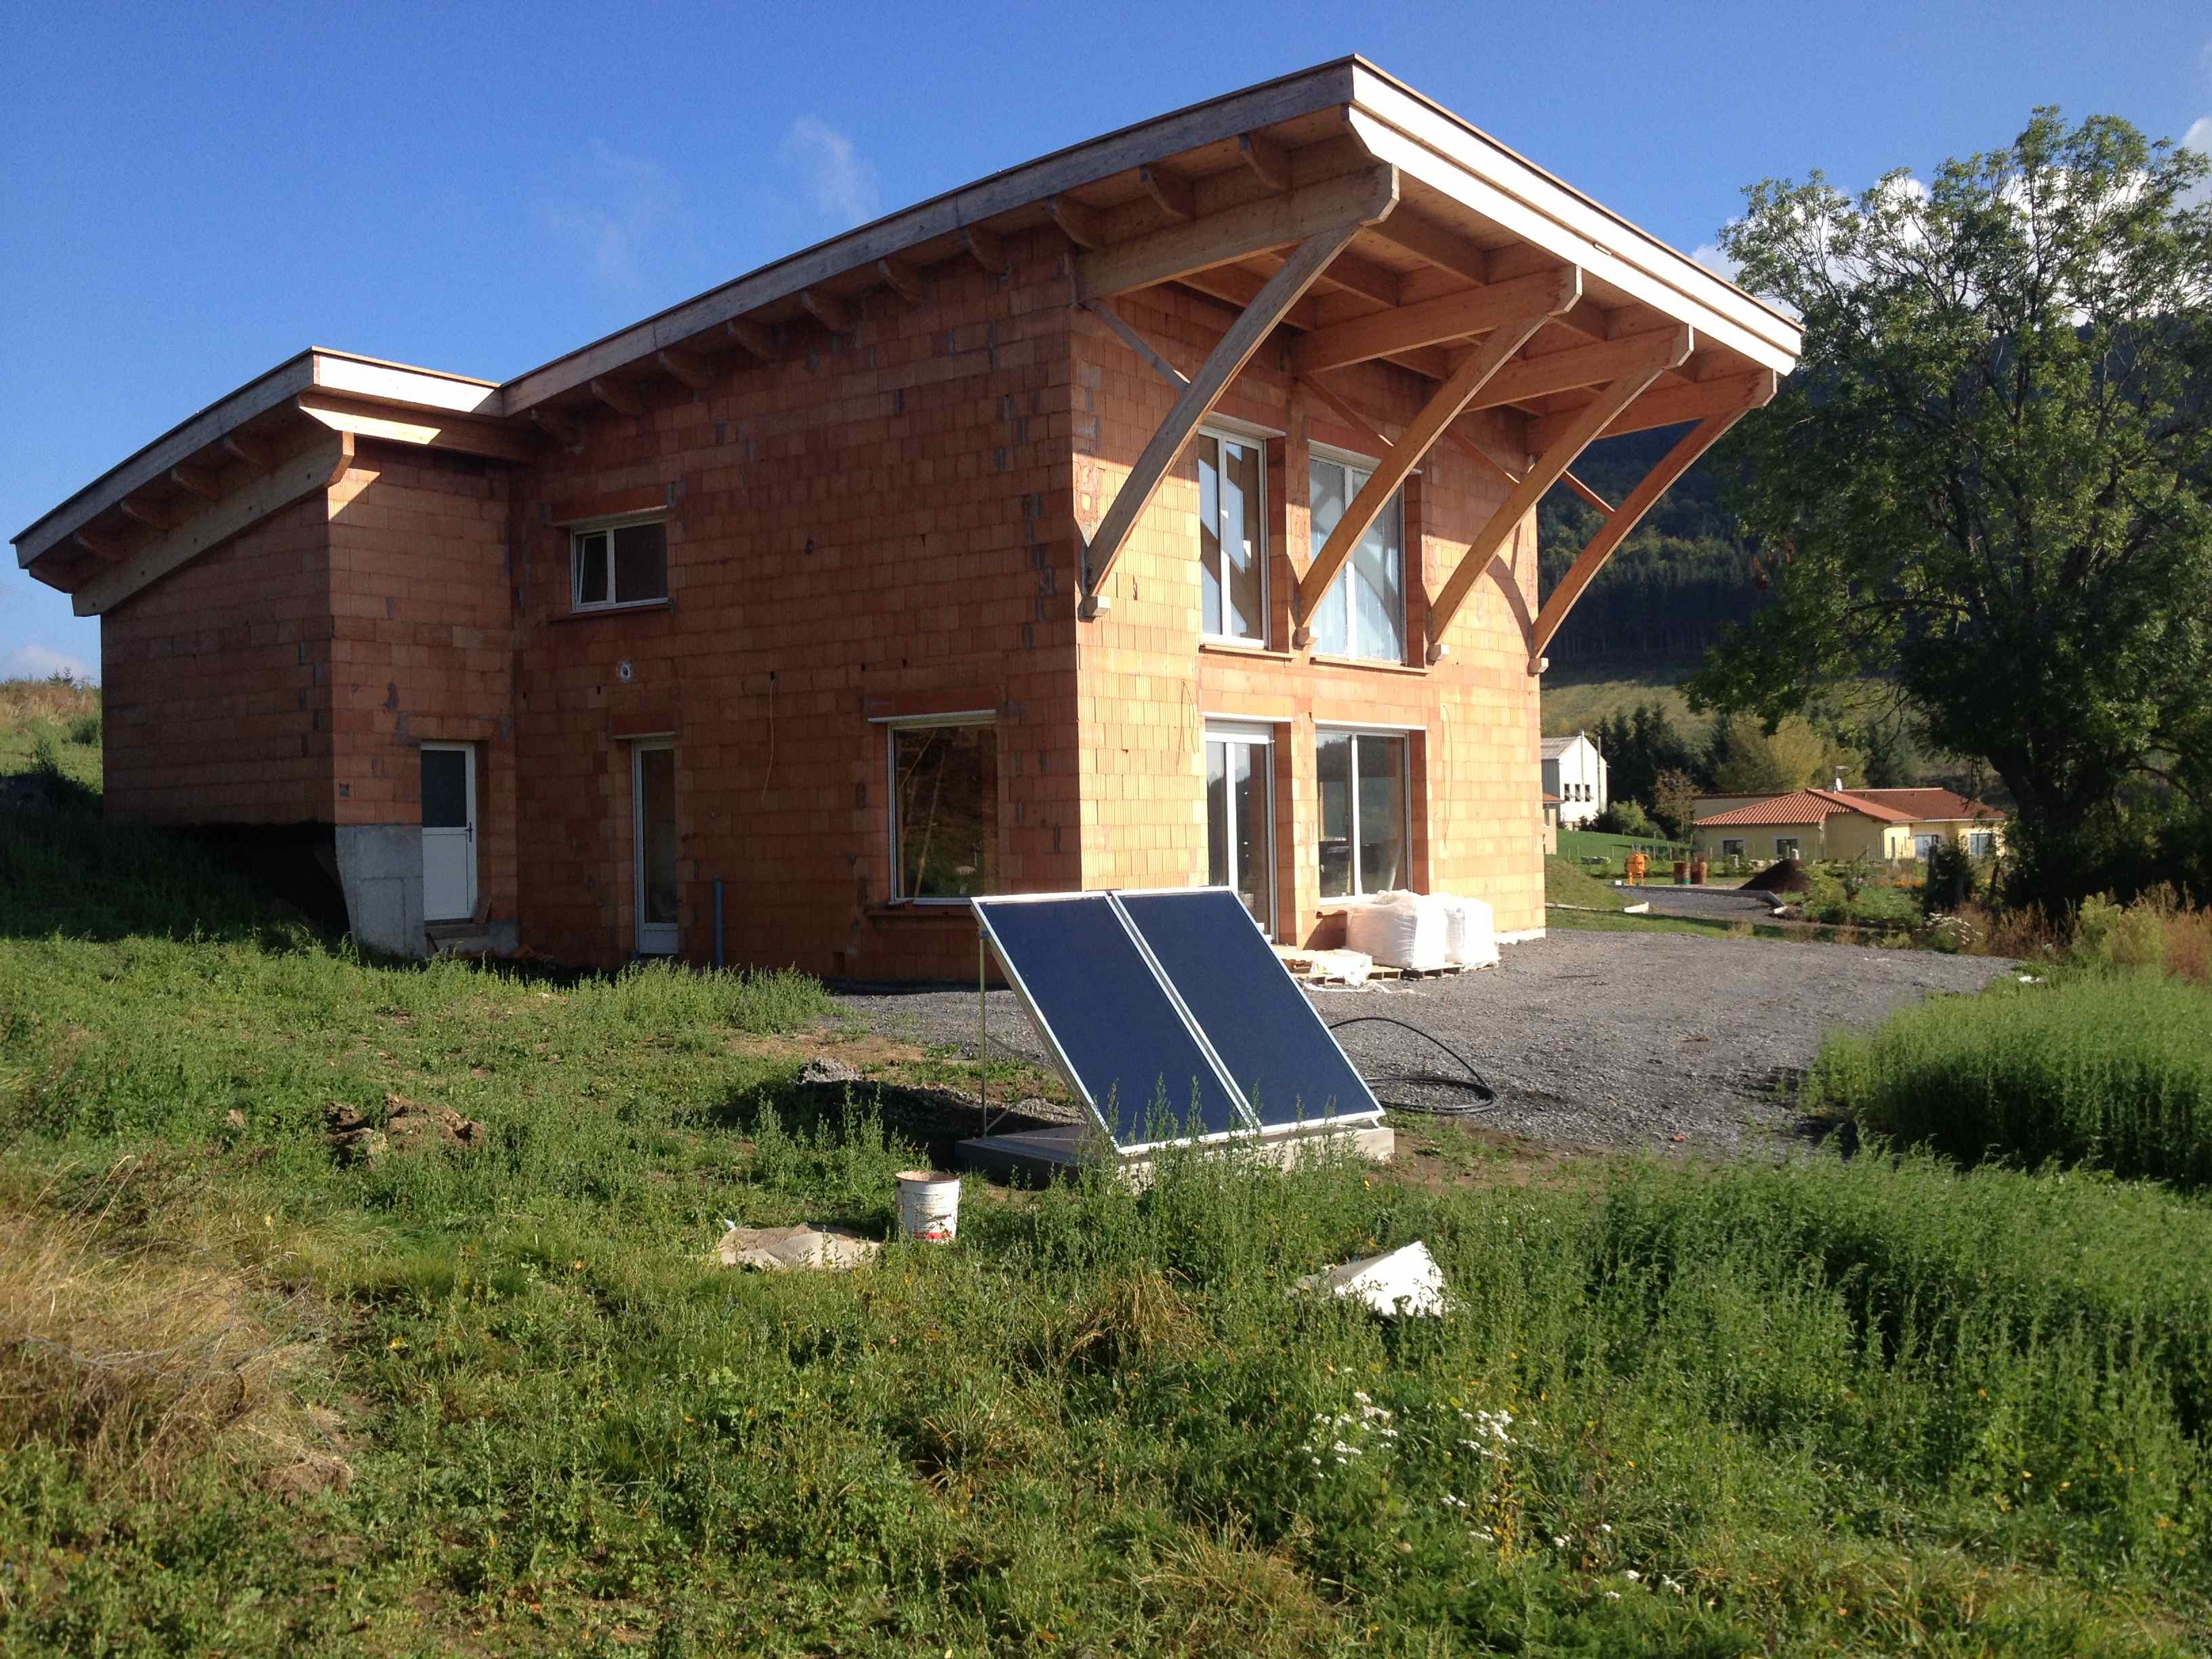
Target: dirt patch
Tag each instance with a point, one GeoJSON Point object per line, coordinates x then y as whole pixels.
{"type": "Point", "coordinates": [408, 1126]}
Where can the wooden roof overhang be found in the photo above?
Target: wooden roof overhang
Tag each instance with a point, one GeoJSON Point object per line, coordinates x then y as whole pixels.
{"type": "Point", "coordinates": [1336, 204]}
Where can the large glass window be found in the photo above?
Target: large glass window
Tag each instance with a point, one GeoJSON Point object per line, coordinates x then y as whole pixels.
{"type": "Point", "coordinates": [1365, 811]}
{"type": "Point", "coordinates": [1240, 818]}
{"type": "Point", "coordinates": [1232, 552]}
{"type": "Point", "coordinates": [1364, 612]}
{"type": "Point", "coordinates": [619, 564]}
{"type": "Point", "coordinates": [945, 809]}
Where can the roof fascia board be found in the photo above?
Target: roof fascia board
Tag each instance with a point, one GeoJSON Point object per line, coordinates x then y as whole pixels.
{"type": "Point", "coordinates": [1443, 153]}
{"type": "Point", "coordinates": [314, 368]}
{"type": "Point", "coordinates": [1327, 86]}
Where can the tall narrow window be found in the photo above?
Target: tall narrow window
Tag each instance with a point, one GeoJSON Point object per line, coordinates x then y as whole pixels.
{"type": "Point", "coordinates": [1232, 552]}
{"type": "Point", "coordinates": [1240, 817]}
{"type": "Point", "coordinates": [1364, 612]}
{"type": "Point", "coordinates": [945, 809]}
{"type": "Point", "coordinates": [619, 564]}
{"type": "Point", "coordinates": [1366, 844]}
{"type": "Point", "coordinates": [653, 823]}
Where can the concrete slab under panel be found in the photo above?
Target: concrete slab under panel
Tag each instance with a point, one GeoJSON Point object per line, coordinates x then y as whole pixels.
{"type": "Point", "coordinates": [1031, 1158]}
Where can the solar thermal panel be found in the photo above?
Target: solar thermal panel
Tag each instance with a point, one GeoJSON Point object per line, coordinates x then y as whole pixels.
{"type": "Point", "coordinates": [1267, 1035]}
{"type": "Point", "coordinates": [1102, 1008]}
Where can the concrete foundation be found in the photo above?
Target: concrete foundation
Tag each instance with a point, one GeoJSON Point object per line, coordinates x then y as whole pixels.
{"type": "Point", "coordinates": [1034, 1156]}
{"type": "Point", "coordinates": [381, 870]}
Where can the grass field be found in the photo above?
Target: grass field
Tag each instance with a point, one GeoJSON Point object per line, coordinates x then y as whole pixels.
{"type": "Point", "coordinates": [496, 1398]}
{"type": "Point", "coordinates": [1579, 846]}
{"type": "Point", "coordinates": [1576, 702]}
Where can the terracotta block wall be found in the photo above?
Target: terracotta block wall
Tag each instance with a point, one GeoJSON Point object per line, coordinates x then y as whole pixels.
{"type": "Point", "coordinates": [422, 647]}
{"type": "Point", "coordinates": [215, 682]}
{"type": "Point", "coordinates": [878, 525]}
{"type": "Point", "coordinates": [1148, 682]}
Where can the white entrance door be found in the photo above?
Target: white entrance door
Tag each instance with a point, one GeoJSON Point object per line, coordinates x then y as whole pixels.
{"type": "Point", "coordinates": [653, 792]}
{"type": "Point", "coordinates": [1240, 817]}
{"type": "Point", "coordinates": [449, 831]}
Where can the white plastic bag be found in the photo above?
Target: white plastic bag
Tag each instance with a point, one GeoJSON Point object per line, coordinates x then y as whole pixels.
{"type": "Point", "coordinates": [1470, 933]}
{"type": "Point", "coordinates": [1398, 930]}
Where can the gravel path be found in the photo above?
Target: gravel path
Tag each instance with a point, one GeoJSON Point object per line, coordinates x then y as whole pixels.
{"type": "Point", "coordinates": [1599, 1039]}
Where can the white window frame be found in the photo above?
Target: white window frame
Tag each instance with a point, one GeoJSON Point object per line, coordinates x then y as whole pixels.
{"type": "Point", "coordinates": [1253, 734]}
{"type": "Point", "coordinates": [1221, 433]}
{"type": "Point", "coordinates": [607, 527]}
{"type": "Point", "coordinates": [892, 728]}
{"type": "Point", "coordinates": [1404, 735]}
{"type": "Point", "coordinates": [1352, 461]}
{"type": "Point", "coordinates": [650, 939]}
{"type": "Point", "coordinates": [1981, 843]}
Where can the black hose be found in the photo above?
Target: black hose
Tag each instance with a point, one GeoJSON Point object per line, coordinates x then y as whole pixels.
{"type": "Point", "coordinates": [1485, 1097]}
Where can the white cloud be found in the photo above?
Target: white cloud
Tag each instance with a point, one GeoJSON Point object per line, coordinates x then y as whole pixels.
{"type": "Point", "coordinates": [842, 185]}
{"type": "Point", "coordinates": [629, 198]}
{"type": "Point", "coordinates": [1708, 255]}
{"type": "Point", "coordinates": [2199, 138]}
{"type": "Point", "coordinates": [39, 662]}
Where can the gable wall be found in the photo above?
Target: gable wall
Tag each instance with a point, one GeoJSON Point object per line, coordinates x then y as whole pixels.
{"type": "Point", "coordinates": [875, 526]}
{"type": "Point", "coordinates": [1148, 683]}
{"type": "Point", "coordinates": [216, 687]}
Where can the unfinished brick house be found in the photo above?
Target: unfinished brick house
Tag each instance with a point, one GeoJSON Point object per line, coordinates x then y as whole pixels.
{"type": "Point", "coordinates": [1160, 512]}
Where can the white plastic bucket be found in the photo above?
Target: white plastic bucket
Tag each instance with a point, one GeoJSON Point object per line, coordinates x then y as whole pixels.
{"type": "Point", "coordinates": [929, 1206]}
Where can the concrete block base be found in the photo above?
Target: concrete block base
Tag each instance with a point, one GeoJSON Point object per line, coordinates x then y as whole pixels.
{"type": "Point", "coordinates": [1033, 1157]}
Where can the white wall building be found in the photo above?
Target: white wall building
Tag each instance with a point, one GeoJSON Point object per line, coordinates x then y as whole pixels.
{"type": "Point", "coordinates": [1575, 772]}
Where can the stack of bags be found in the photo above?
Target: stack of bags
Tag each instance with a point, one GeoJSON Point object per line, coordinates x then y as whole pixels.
{"type": "Point", "coordinates": [1423, 932]}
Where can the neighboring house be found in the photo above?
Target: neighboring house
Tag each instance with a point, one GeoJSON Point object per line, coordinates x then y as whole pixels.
{"type": "Point", "coordinates": [1551, 804]}
{"type": "Point", "coordinates": [1574, 771]}
{"type": "Point", "coordinates": [1161, 512]}
{"type": "Point", "coordinates": [1840, 823]}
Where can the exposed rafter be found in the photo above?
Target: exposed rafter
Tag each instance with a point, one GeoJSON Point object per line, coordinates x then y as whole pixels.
{"type": "Point", "coordinates": [1580, 366]}
{"type": "Point", "coordinates": [1641, 500]}
{"type": "Point", "coordinates": [904, 279]}
{"type": "Point", "coordinates": [254, 451]}
{"type": "Point", "coordinates": [1270, 162]}
{"type": "Point", "coordinates": [1081, 224]}
{"type": "Point", "coordinates": [1454, 317]}
{"type": "Point", "coordinates": [565, 430]}
{"type": "Point", "coordinates": [838, 316]}
{"type": "Point", "coordinates": [620, 396]}
{"type": "Point", "coordinates": [1174, 192]}
{"type": "Point", "coordinates": [104, 548]}
{"type": "Point", "coordinates": [1438, 413]}
{"type": "Point", "coordinates": [1222, 365]}
{"type": "Point", "coordinates": [757, 338]}
{"type": "Point", "coordinates": [1670, 405]}
{"type": "Point", "coordinates": [1658, 353]}
{"type": "Point", "coordinates": [153, 517]}
{"type": "Point", "coordinates": [1220, 239]}
{"type": "Point", "coordinates": [197, 481]}
{"type": "Point", "coordinates": [986, 249]}
{"type": "Point", "coordinates": [1446, 249]}
{"type": "Point", "coordinates": [305, 474]}
{"type": "Point", "coordinates": [426, 429]}
{"type": "Point", "coordinates": [688, 367]}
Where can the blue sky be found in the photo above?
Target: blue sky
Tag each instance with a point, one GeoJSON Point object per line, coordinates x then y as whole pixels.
{"type": "Point", "coordinates": [190, 194]}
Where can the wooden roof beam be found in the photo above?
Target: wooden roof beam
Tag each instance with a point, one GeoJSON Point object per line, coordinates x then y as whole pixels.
{"type": "Point", "coordinates": [757, 338]}
{"type": "Point", "coordinates": [106, 548]}
{"type": "Point", "coordinates": [1222, 365]}
{"type": "Point", "coordinates": [987, 249]}
{"type": "Point", "coordinates": [1656, 353]}
{"type": "Point", "coordinates": [1363, 278]}
{"type": "Point", "coordinates": [838, 316]}
{"type": "Point", "coordinates": [1269, 161]}
{"type": "Point", "coordinates": [254, 451]}
{"type": "Point", "coordinates": [1454, 317]}
{"type": "Point", "coordinates": [1583, 366]}
{"type": "Point", "coordinates": [1082, 224]}
{"type": "Point", "coordinates": [1669, 405]}
{"type": "Point", "coordinates": [1175, 193]}
{"type": "Point", "coordinates": [1507, 337]}
{"type": "Point", "coordinates": [620, 396]}
{"type": "Point", "coordinates": [1236, 232]}
{"type": "Point", "coordinates": [1128, 334]}
{"type": "Point", "coordinates": [1424, 238]}
{"type": "Point", "coordinates": [153, 517]}
{"type": "Point", "coordinates": [904, 279]}
{"type": "Point", "coordinates": [693, 370]}
{"type": "Point", "coordinates": [363, 417]}
{"type": "Point", "coordinates": [197, 481]}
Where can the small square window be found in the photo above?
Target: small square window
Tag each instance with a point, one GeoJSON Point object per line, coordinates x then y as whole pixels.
{"type": "Point", "coordinates": [1731, 847]}
{"type": "Point", "coordinates": [619, 564]}
{"type": "Point", "coordinates": [1785, 847]}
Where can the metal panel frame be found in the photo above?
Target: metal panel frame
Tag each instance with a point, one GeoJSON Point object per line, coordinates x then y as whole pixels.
{"type": "Point", "coordinates": [1065, 1065]}
{"type": "Point", "coordinates": [1375, 1106]}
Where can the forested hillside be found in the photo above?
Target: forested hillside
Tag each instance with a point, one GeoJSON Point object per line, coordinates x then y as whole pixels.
{"type": "Point", "coordinates": [1664, 595]}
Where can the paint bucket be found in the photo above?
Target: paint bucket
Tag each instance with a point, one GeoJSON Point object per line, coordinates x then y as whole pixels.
{"type": "Point", "coordinates": [929, 1206]}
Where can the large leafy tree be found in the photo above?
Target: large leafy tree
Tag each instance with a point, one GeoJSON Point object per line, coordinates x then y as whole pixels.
{"type": "Point", "coordinates": [1989, 482]}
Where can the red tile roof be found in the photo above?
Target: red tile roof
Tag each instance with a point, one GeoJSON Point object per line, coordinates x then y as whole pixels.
{"type": "Point", "coordinates": [1803, 806]}
{"type": "Point", "coordinates": [1550, 799]}
{"type": "Point", "coordinates": [1927, 805]}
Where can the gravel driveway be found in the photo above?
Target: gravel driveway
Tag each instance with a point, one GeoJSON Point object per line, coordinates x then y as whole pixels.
{"type": "Point", "coordinates": [1599, 1039]}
